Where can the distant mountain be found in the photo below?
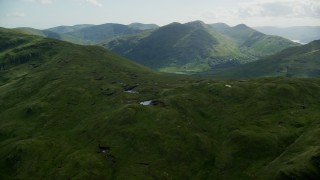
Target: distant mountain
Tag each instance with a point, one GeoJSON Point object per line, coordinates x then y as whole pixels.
{"type": "Point", "coordinates": [178, 47]}
{"type": "Point", "coordinates": [141, 26]}
{"type": "Point", "coordinates": [302, 34]}
{"type": "Point", "coordinates": [103, 32]}
{"type": "Point", "coordinates": [66, 29]}
{"type": "Point", "coordinates": [301, 61]}
{"type": "Point", "coordinates": [43, 33]}
{"type": "Point", "coordinates": [220, 27]}
{"type": "Point", "coordinates": [90, 34]}
{"type": "Point", "coordinates": [252, 41]}
{"type": "Point", "coordinates": [196, 47]}
{"type": "Point", "coordinates": [53, 35]}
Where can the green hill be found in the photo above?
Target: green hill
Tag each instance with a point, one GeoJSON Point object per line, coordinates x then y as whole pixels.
{"type": "Point", "coordinates": [87, 34]}
{"type": "Point", "coordinates": [53, 35]}
{"type": "Point", "coordinates": [66, 29]}
{"type": "Point", "coordinates": [103, 32]}
{"type": "Point", "coordinates": [254, 42]}
{"type": "Point", "coordinates": [190, 47]}
{"type": "Point", "coordinates": [59, 101]}
{"type": "Point", "coordinates": [302, 61]}
{"type": "Point", "coordinates": [141, 26]}
{"type": "Point", "coordinates": [196, 47]}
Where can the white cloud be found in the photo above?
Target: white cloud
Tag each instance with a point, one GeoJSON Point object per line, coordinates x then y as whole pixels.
{"type": "Point", "coordinates": [95, 2]}
{"type": "Point", "coordinates": [280, 8]}
{"type": "Point", "coordinates": [268, 11]}
{"type": "Point", "coordinates": [39, 1]}
{"type": "Point", "coordinates": [16, 14]}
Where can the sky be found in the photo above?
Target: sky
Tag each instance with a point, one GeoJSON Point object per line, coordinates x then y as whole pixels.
{"type": "Point", "coordinates": [44, 14]}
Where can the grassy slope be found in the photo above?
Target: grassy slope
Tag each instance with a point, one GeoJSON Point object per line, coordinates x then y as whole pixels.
{"type": "Point", "coordinates": [302, 61]}
{"type": "Point", "coordinates": [87, 34]}
{"type": "Point", "coordinates": [56, 106]}
{"type": "Point", "coordinates": [66, 29]}
{"type": "Point", "coordinates": [54, 35]}
{"type": "Point", "coordinates": [254, 42]}
{"type": "Point", "coordinates": [103, 32]}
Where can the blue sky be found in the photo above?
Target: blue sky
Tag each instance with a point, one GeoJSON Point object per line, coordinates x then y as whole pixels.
{"type": "Point", "coordinates": [49, 13]}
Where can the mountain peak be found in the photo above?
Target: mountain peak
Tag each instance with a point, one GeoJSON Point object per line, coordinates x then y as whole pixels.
{"type": "Point", "coordinates": [220, 24]}
{"type": "Point", "coordinates": [241, 26]}
{"type": "Point", "coordinates": [220, 27]}
{"type": "Point", "coordinates": [196, 24]}
{"type": "Point", "coordinates": [142, 26]}
{"type": "Point", "coordinates": [173, 23]}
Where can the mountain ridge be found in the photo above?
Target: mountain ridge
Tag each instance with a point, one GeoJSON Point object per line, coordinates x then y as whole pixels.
{"type": "Point", "coordinates": [66, 29]}
{"type": "Point", "coordinates": [190, 41]}
{"type": "Point", "coordinates": [89, 34]}
{"type": "Point", "coordinates": [196, 46]}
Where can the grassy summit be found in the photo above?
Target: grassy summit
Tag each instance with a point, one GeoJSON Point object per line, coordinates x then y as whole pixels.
{"type": "Point", "coordinates": [254, 42]}
{"type": "Point", "coordinates": [59, 101]}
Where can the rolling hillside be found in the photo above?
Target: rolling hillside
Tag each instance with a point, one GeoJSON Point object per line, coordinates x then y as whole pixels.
{"type": "Point", "coordinates": [103, 32]}
{"type": "Point", "coordinates": [196, 47]}
{"type": "Point", "coordinates": [66, 29]}
{"type": "Point", "coordinates": [87, 34]}
{"type": "Point", "coordinates": [142, 26]}
{"type": "Point", "coordinates": [81, 112]}
{"type": "Point", "coordinates": [302, 61]}
{"type": "Point", "coordinates": [53, 35]}
{"type": "Point", "coordinates": [252, 41]}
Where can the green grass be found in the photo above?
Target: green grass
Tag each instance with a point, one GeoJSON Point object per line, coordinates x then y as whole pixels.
{"type": "Point", "coordinates": [57, 106]}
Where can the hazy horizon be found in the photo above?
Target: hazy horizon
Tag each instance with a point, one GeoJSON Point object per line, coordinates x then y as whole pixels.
{"type": "Point", "coordinates": [44, 14]}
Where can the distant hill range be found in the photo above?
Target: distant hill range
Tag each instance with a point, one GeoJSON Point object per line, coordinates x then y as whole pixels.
{"type": "Point", "coordinates": [54, 34]}
{"type": "Point", "coordinates": [193, 47]}
{"type": "Point", "coordinates": [66, 29]}
{"type": "Point", "coordinates": [104, 32]}
{"type": "Point", "coordinates": [142, 26]}
{"type": "Point", "coordinates": [196, 46]}
{"type": "Point", "coordinates": [89, 34]}
{"type": "Point", "coordinates": [302, 61]}
{"type": "Point", "coordinates": [301, 34]}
